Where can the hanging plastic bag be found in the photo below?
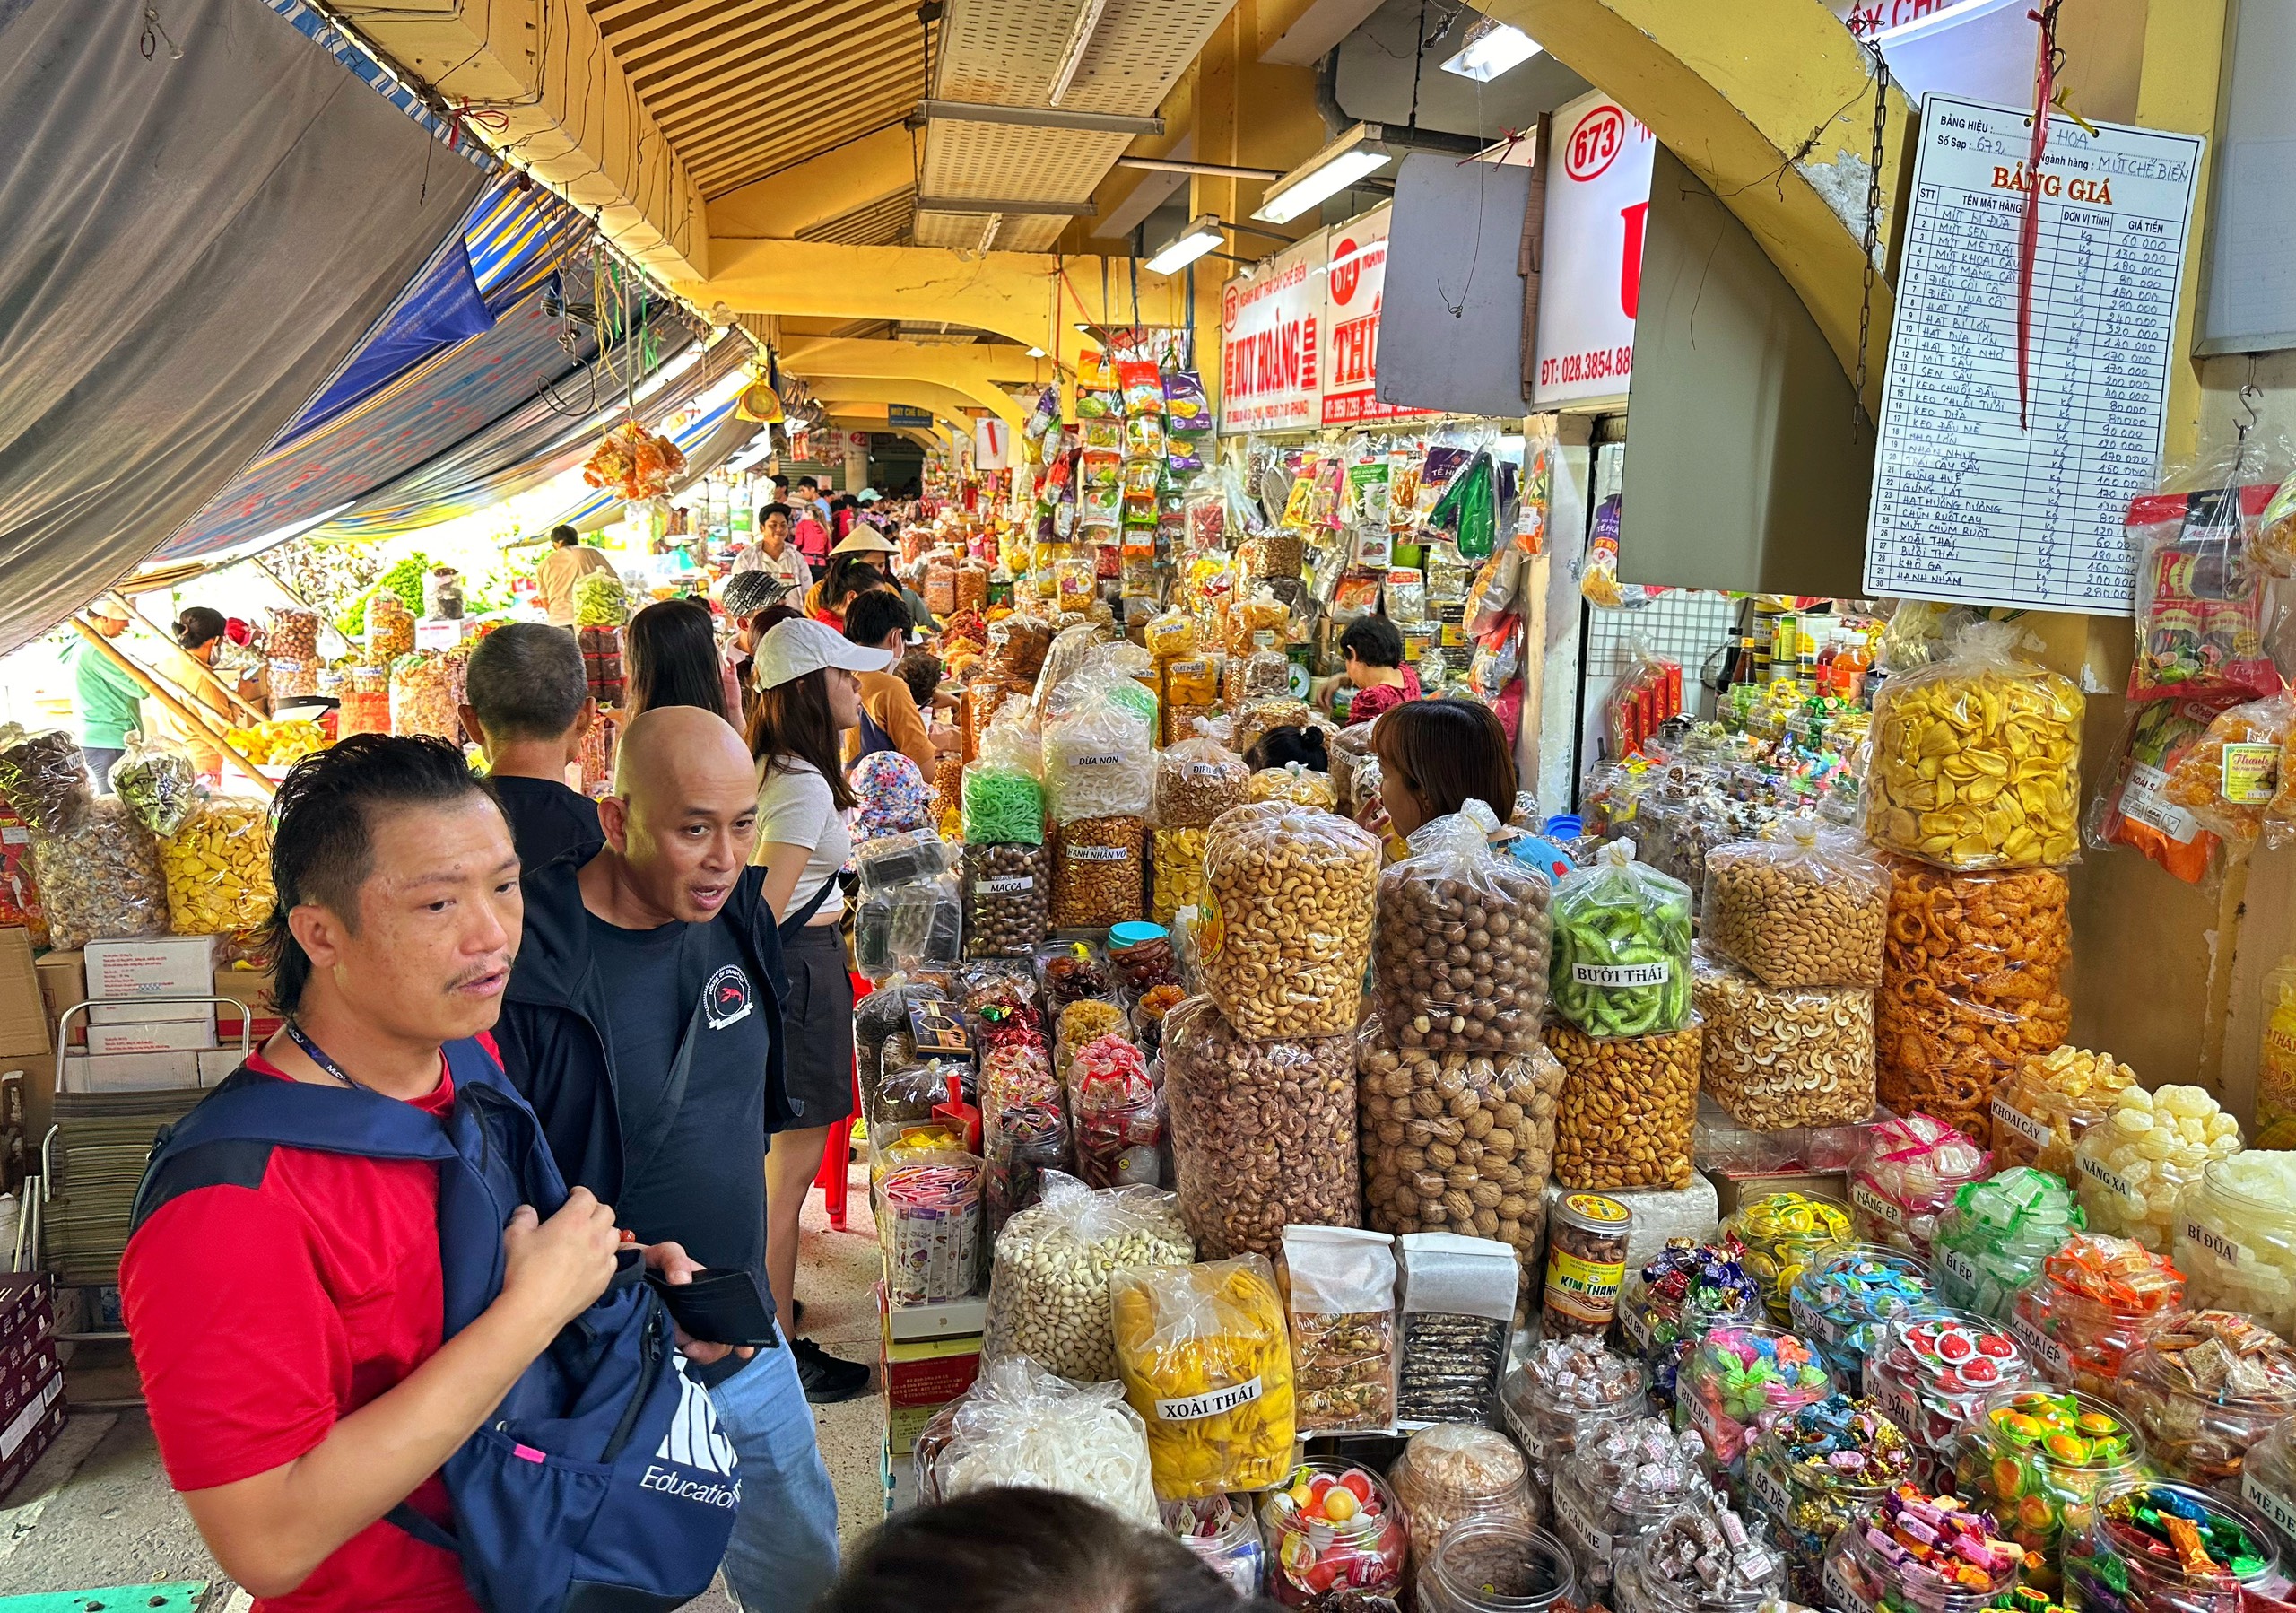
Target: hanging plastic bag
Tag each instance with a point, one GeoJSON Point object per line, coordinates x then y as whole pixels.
{"type": "Point", "coordinates": [1976, 759]}
{"type": "Point", "coordinates": [1207, 1364]}
{"type": "Point", "coordinates": [159, 783]}
{"type": "Point", "coordinates": [1468, 509]}
{"type": "Point", "coordinates": [99, 874]}
{"type": "Point", "coordinates": [2230, 777]}
{"type": "Point", "coordinates": [44, 777]}
{"type": "Point", "coordinates": [2134, 809]}
{"type": "Point", "coordinates": [2204, 629]}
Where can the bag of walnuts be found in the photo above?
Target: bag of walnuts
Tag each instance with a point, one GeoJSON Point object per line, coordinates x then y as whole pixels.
{"type": "Point", "coordinates": [1460, 956]}
{"type": "Point", "coordinates": [1457, 1141]}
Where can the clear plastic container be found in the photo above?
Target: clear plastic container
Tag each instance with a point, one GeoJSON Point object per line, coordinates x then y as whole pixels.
{"type": "Point", "coordinates": [1621, 1481]}
{"type": "Point", "coordinates": [1859, 1576]}
{"type": "Point", "coordinates": [2042, 1113]}
{"type": "Point", "coordinates": [1548, 1416]}
{"type": "Point", "coordinates": [1224, 1535]}
{"type": "Point", "coordinates": [1453, 1474]}
{"type": "Point", "coordinates": [1905, 1177]}
{"type": "Point", "coordinates": [2113, 1564]}
{"type": "Point", "coordinates": [1496, 1568]}
{"type": "Point", "coordinates": [1806, 1497]}
{"type": "Point", "coordinates": [1782, 1232]}
{"type": "Point", "coordinates": [1931, 1374]}
{"type": "Point", "coordinates": [2198, 1426]}
{"type": "Point", "coordinates": [2268, 1482]}
{"type": "Point", "coordinates": [2235, 1238]}
{"type": "Point", "coordinates": [1659, 1318]}
{"type": "Point", "coordinates": [1998, 1234]}
{"type": "Point", "coordinates": [1846, 1301]}
{"type": "Point", "coordinates": [1735, 1382]}
{"type": "Point", "coordinates": [1658, 1576]}
{"type": "Point", "coordinates": [2039, 1460]}
{"type": "Point", "coordinates": [2096, 1299]}
{"type": "Point", "coordinates": [1310, 1553]}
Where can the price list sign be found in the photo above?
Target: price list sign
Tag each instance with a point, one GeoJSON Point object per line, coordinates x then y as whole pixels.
{"type": "Point", "coordinates": [1970, 504]}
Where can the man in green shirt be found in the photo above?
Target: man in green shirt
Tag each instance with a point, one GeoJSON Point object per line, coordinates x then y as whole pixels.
{"type": "Point", "coordinates": [105, 696]}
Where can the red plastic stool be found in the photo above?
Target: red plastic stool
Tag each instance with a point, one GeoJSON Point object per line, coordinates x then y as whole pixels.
{"type": "Point", "coordinates": [837, 1157]}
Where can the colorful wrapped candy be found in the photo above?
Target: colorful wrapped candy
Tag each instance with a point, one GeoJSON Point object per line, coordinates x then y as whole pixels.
{"type": "Point", "coordinates": [1736, 1381]}
{"type": "Point", "coordinates": [1676, 1299]}
{"type": "Point", "coordinates": [2099, 1298]}
{"type": "Point", "coordinates": [1781, 1233]}
{"type": "Point", "coordinates": [1332, 1527]}
{"type": "Point", "coordinates": [1702, 1558]}
{"type": "Point", "coordinates": [1931, 1374]}
{"type": "Point", "coordinates": [1620, 1483]}
{"type": "Point", "coordinates": [1993, 1241]}
{"type": "Point", "coordinates": [2169, 1548]}
{"type": "Point", "coordinates": [2042, 1459]}
{"type": "Point", "coordinates": [1908, 1173]}
{"type": "Point", "coordinates": [1817, 1469]}
{"type": "Point", "coordinates": [1563, 1391]}
{"type": "Point", "coordinates": [1921, 1553]}
{"type": "Point", "coordinates": [1119, 1115]}
{"type": "Point", "coordinates": [1844, 1300]}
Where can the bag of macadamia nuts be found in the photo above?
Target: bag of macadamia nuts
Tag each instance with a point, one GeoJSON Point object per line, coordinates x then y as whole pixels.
{"type": "Point", "coordinates": [1460, 953]}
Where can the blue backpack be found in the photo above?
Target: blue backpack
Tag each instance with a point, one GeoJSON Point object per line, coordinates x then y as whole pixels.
{"type": "Point", "coordinates": [601, 1484]}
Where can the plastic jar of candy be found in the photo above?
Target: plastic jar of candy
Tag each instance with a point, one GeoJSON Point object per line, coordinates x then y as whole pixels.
{"type": "Point", "coordinates": [1697, 1561]}
{"type": "Point", "coordinates": [2042, 1113]}
{"type": "Point", "coordinates": [1993, 1241]}
{"type": "Point", "coordinates": [1844, 1300]}
{"type": "Point", "coordinates": [2135, 1165]}
{"type": "Point", "coordinates": [1908, 1174]}
{"type": "Point", "coordinates": [1931, 1374]}
{"type": "Point", "coordinates": [1782, 1233]}
{"type": "Point", "coordinates": [2235, 1238]}
{"type": "Point", "coordinates": [1317, 1544]}
{"type": "Point", "coordinates": [1563, 1388]}
{"type": "Point", "coordinates": [1735, 1382]}
{"type": "Point", "coordinates": [2098, 1298]}
{"type": "Point", "coordinates": [1224, 1536]}
{"type": "Point", "coordinates": [1676, 1299]}
{"type": "Point", "coordinates": [2040, 1459]}
{"type": "Point", "coordinates": [2204, 1390]}
{"type": "Point", "coordinates": [1496, 1568]}
{"type": "Point", "coordinates": [2268, 1482]}
{"type": "Point", "coordinates": [1624, 1478]}
{"type": "Point", "coordinates": [1454, 1474]}
{"type": "Point", "coordinates": [1919, 1554]}
{"type": "Point", "coordinates": [1816, 1470]}
{"type": "Point", "coordinates": [2130, 1559]}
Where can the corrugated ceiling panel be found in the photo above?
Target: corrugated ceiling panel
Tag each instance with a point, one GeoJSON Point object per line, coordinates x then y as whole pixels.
{"type": "Point", "coordinates": [1012, 163]}
{"type": "Point", "coordinates": [876, 224]}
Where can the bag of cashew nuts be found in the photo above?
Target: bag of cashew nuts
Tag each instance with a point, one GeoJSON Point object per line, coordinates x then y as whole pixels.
{"type": "Point", "coordinates": [1803, 905]}
{"type": "Point", "coordinates": [1626, 1109]}
{"type": "Point", "coordinates": [1782, 1057]}
{"type": "Point", "coordinates": [1049, 1279]}
{"type": "Point", "coordinates": [1263, 1131]}
{"type": "Point", "coordinates": [1460, 953]}
{"type": "Point", "coordinates": [1292, 894]}
{"type": "Point", "coordinates": [1457, 1142]}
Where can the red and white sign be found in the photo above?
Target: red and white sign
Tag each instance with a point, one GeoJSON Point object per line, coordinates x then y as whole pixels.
{"type": "Point", "coordinates": [1866, 18]}
{"type": "Point", "coordinates": [1597, 200]}
{"type": "Point", "coordinates": [1354, 284]}
{"type": "Point", "coordinates": [992, 443]}
{"type": "Point", "coordinates": [1271, 346]}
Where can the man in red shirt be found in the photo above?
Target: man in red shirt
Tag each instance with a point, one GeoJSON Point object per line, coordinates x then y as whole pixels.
{"type": "Point", "coordinates": [287, 1323]}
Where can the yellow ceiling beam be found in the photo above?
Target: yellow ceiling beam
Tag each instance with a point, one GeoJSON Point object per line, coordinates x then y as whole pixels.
{"type": "Point", "coordinates": [558, 105]}
{"type": "Point", "coordinates": [1012, 293]}
{"type": "Point", "coordinates": [959, 365]}
{"type": "Point", "coordinates": [1772, 103]}
{"type": "Point", "coordinates": [834, 392]}
{"type": "Point", "coordinates": [810, 194]}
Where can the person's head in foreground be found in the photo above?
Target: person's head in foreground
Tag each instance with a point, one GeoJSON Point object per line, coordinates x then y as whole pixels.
{"type": "Point", "coordinates": [527, 698]}
{"type": "Point", "coordinates": [879, 620]}
{"type": "Point", "coordinates": [399, 909]}
{"type": "Point", "coordinates": [670, 658]}
{"type": "Point", "coordinates": [681, 821]}
{"type": "Point", "coordinates": [1024, 1551]}
{"type": "Point", "coordinates": [1436, 755]}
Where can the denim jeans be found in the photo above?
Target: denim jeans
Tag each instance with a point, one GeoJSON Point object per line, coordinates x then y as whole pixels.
{"type": "Point", "coordinates": [784, 1551]}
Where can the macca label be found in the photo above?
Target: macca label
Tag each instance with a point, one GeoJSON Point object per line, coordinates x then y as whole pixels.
{"type": "Point", "coordinates": [1622, 974]}
{"type": "Point", "coordinates": [1004, 885]}
{"type": "Point", "coordinates": [1194, 1408]}
{"type": "Point", "coordinates": [2036, 1132]}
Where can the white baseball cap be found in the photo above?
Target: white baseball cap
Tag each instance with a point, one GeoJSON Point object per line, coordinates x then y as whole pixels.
{"type": "Point", "coordinates": [792, 649]}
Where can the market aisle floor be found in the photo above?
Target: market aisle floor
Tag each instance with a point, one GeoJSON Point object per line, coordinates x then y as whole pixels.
{"type": "Point", "coordinates": [97, 1509]}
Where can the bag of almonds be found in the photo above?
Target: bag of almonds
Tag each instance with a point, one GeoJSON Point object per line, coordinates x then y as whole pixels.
{"type": "Point", "coordinates": [1460, 953]}
{"type": "Point", "coordinates": [1292, 893]}
{"type": "Point", "coordinates": [1263, 1131]}
{"type": "Point", "coordinates": [1803, 905]}
{"type": "Point", "coordinates": [1049, 1281]}
{"type": "Point", "coordinates": [1626, 1111]}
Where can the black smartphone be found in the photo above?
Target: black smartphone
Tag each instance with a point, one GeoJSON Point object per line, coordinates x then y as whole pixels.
{"type": "Point", "coordinates": [720, 1307]}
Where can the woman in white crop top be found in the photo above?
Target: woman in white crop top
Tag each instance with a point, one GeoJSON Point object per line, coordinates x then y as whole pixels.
{"type": "Point", "coordinates": [806, 698]}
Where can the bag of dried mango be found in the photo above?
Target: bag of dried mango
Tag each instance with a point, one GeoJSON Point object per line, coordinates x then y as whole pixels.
{"type": "Point", "coordinates": [1207, 1364]}
{"type": "Point", "coordinates": [1976, 759]}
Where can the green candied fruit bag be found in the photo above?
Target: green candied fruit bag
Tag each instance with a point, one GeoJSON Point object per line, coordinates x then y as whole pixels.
{"type": "Point", "coordinates": [1622, 947]}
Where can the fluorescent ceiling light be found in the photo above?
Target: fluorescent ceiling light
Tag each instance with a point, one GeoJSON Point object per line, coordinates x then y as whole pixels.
{"type": "Point", "coordinates": [1036, 352]}
{"type": "Point", "coordinates": [1492, 48]}
{"type": "Point", "coordinates": [1324, 174]}
{"type": "Point", "coordinates": [1072, 59]}
{"type": "Point", "coordinates": [1201, 236]}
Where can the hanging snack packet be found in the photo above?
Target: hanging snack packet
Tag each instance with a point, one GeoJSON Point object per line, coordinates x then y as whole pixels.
{"type": "Point", "coordinates": [2201, 619]}
{"type": "Point", "coordinates": [2134, 810]}
{"type": "Point", "coordinates": [2229, 775]}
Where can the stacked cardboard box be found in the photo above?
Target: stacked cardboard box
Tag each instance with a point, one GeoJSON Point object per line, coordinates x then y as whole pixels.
{"type": "Point", "coordinates": [31, 1382]}
{"type": "Point", "coordinates": [929, 1355]}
